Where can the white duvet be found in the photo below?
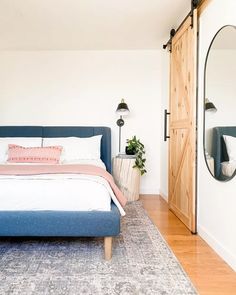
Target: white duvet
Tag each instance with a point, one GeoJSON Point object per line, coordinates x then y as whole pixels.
{"type": "Point", "coordinates": [228, 168]}
{"type": "Point", "coordinates": [58, 192]}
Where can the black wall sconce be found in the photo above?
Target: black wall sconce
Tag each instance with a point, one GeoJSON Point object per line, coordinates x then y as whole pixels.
{"type": "Point", "coordinates": [209, 106]}
{"type": "Point", "coordinates": [122, 110]}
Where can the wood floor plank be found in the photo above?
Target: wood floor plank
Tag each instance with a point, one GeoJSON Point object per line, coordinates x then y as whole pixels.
{"type": "Point", "coordinates": [208, 272]}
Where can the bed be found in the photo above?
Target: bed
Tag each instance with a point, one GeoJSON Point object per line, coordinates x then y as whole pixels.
{"type": "Point", "coordinates": [62, 223]}
{"type": "Point", "coordinates": [223, 168]}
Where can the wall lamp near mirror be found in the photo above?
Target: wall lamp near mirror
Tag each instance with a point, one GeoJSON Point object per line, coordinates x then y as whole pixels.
{"type": "Point", "coordinates": [122, 110]}
{"type": "Point", "coordinates": [209, 106]}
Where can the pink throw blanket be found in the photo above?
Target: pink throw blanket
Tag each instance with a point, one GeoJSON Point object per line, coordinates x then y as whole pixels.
{"type": "Point", "coordinates": [64, 169]}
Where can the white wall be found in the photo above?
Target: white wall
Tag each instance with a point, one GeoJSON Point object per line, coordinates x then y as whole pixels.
{"type": "Point", "coordinates": [164, 144]}
{"type": "Point", "coordinates": [84, 88]}
{"type": "Point", "coordinates": [216, 200]}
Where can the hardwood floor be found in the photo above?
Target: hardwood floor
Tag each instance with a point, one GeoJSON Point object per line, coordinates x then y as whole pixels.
{"type": "Point", "coordinates": [208, 272]}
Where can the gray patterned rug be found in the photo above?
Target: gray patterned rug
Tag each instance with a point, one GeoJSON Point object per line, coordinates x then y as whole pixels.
{"type": "Point", "coordinates": [142, 263]}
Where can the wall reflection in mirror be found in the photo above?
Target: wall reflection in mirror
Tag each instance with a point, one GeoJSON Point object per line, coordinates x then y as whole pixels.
{"type": "Point", "coordinates": [220, 105]}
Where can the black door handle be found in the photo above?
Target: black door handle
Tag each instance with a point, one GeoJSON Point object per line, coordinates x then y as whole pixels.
{"type": "Point", "coordinates": [165, 125]}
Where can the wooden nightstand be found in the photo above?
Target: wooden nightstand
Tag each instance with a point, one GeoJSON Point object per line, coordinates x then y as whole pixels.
{"type": "Point", "coordinates": [126, 177]}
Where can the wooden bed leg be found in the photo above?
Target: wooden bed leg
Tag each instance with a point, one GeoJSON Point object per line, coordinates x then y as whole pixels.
{"type": "Point", "coordinates": [108, 247]}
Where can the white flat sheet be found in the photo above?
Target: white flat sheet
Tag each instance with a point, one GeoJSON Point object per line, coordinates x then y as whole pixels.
{"type": "Point", "coordinates": [59, 192]}
{"type": "Point", "coordinates": [98, 163]}
{"type": "Point", "coordinates": [228, 168]}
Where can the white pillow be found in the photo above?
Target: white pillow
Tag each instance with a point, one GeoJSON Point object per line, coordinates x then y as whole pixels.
{"type": "Point", "coordinates": [230, 142]}
{"type": "Point", "coordinates": [23, 141]}
{"type": "Point", "coordinates": [77, 148]}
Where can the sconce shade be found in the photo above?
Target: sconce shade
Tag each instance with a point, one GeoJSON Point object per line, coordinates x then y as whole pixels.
{"type": "Point", "coordinates": [210, 107]}
{"type": "Point", "coordinates": [122, 108]}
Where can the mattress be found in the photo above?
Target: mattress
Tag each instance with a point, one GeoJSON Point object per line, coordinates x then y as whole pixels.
{"type": "Point", "coordinates": [228, 168]}
{"type": "Point", "coordinates": [56, 192]}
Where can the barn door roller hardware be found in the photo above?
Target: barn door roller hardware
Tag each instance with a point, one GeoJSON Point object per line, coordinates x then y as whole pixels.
{"type": "Point", "coordinates": [194, 5]}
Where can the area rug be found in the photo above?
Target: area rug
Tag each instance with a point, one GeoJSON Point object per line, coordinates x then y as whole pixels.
{"type": "Point", "coordinates": [142, 263]}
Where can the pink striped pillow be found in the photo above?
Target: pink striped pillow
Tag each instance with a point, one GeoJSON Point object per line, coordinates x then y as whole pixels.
{"type": "Point", "coordinates": [20, 154]}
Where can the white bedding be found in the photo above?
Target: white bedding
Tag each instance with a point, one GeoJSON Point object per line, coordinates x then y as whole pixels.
{"type": "Point", "coordinates": [58, 192]}
{"type": "Point", "coordinates": [228, 168]}
{"type": "Point", "coordinates": [98, 163]}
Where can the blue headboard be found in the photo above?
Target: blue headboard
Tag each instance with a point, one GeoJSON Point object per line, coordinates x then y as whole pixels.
{"type": "Point", "coordinates": [64, 131]}
{"type": "Point", "coordinates": [219, 151]}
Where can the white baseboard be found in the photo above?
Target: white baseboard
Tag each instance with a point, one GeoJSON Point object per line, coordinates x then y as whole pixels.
{"type": "Point", "coordinates": [164, 196]}
{"type": "Point", "coordinates": [149, 191]}
{"type": "Point", "coordinates": [226, 255]}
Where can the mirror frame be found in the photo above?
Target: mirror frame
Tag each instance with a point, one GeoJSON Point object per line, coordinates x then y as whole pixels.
{"type": "Point", "coordinates": [204, 112]}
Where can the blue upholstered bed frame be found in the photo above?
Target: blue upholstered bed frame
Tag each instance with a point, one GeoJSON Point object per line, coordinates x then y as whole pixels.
{"type": "Point", "coordinates": [61, 223]}
{"type": "Point", "coordinates": [219, 151]}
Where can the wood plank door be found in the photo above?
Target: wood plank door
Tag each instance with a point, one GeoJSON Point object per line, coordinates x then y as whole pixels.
{"type": "Point", "coordinates": [182, 130]}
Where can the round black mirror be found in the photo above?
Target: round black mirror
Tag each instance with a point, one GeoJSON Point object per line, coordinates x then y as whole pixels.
{"type": "Point", "coordinates": [220, 105]}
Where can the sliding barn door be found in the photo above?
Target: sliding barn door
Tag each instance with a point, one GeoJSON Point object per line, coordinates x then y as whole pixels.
{"type": "Point", "coordinates": [182, 143]}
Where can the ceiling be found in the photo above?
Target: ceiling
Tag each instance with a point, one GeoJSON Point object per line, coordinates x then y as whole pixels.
{"type": "Point", "coordinates": [88, 24]}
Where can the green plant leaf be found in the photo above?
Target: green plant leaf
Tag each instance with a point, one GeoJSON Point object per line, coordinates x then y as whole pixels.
{"type": "Point", "coordinates": [138, 148]}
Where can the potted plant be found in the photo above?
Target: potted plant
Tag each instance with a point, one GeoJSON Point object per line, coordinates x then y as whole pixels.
{"type": "Point", "coordinates": [135, 147]}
